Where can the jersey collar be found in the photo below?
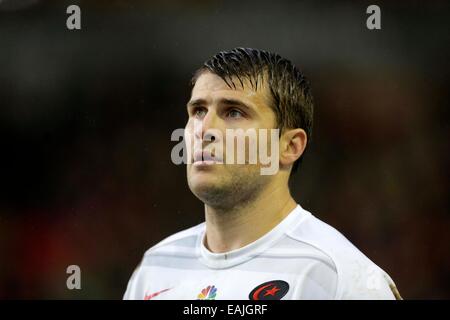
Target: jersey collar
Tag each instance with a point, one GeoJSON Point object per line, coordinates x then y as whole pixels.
{"type": "Point", "coordinates": [241, 255]}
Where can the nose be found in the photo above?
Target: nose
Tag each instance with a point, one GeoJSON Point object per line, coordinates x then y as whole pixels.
{"type": "Point", "coordinates": [203, 127]}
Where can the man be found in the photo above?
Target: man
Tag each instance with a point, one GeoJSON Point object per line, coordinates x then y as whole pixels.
{"type": "Point", "coordinates": [256, 242]}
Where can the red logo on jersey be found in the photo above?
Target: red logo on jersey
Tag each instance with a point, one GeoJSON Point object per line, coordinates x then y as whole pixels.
{"type": "Point", "coordinates": [271, 290]}
{"type": "Point", "coordinates": [151, 296]}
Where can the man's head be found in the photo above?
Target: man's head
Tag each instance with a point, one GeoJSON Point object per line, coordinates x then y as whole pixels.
{"type": "Point", "coordinates": [247, 89]}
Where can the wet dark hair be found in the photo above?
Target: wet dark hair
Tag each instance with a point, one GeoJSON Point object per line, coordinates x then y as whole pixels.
{"type": "Point", "coordinates": [292, 99]}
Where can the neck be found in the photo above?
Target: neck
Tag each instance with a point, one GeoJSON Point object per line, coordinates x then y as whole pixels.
{"type": "Point", "coordinates": [243, 224]}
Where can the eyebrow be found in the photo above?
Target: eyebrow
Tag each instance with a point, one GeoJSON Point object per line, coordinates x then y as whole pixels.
{"type": "Point", "coordinates": [196, 103]}
{"type": "Point", "coordinates": [223, 101]}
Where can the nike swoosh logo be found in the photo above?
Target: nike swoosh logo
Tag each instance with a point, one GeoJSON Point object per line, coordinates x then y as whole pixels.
{"type": "Point", "coordinates": [151, 296]}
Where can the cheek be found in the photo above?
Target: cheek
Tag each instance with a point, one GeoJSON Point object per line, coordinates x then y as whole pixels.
{"type": "Point", "coordinates": [189, 123]}
{"type": "Point", "coordinates": [188, 138]}
{"type": "Point", "coordinates": [189, 128]}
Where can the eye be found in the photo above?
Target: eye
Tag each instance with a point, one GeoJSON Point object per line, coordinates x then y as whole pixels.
{"type": "Point", "coordinates": [235, 113]}
{"type": "Point", "coordinates": [199, 112]}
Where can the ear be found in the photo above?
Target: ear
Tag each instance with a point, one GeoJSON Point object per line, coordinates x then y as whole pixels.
{"type": "Point", "coordinates": [292, 144]}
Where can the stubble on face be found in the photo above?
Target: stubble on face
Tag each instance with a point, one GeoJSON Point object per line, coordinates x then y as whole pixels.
{"type": "Point", "coordinates": [225, 187]}
{"type": "Point", "coordinates": [237, 188]}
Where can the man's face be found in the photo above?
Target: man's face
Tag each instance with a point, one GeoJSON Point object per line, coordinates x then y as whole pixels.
{"type": "Point", "coordinates": [213, 108]}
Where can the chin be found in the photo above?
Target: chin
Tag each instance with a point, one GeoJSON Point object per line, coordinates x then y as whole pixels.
{"type": "Point", "coordinates": [201, 181]}
{"type": "Point", "coordinates": [211, 195]}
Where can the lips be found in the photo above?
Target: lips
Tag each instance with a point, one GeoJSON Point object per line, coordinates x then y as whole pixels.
{"type": "Point", "coordinates": [205, 156]}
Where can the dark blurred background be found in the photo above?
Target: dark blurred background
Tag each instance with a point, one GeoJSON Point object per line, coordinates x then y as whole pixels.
{"type": "Point", "coordinates": [86, 117]}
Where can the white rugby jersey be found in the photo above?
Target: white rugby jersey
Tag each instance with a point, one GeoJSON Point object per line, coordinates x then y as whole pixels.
{"type": "Point", "coordinates": [301, 258]}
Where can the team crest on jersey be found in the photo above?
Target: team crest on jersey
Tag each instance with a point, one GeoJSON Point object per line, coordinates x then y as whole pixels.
{"type": "Point", "coordinates": [271, 290]}
{"type": "Point", "coordinates": [208, 293]}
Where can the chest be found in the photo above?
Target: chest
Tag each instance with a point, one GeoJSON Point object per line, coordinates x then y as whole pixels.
{"type": "Point", "coordinates": [222, 285]}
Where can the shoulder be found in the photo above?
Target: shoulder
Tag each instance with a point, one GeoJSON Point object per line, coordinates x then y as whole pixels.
{"type": "Point", "coordinates": [180, 244]}
{"type": "Point", "coordinates": [183, 239]}
{"type": "Point", "coordinates": [357, 276]}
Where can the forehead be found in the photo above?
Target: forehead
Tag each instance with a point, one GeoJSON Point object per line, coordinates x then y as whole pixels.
{"type": "Point", "coordinates": [210, 86]}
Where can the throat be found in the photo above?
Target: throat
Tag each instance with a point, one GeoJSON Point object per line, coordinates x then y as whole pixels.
{"type": "Point", "coordinates": [228, 231]}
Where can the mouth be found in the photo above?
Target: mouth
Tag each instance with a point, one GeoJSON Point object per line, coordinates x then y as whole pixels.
{"type": "Point", "coordinates": [204, 158]}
